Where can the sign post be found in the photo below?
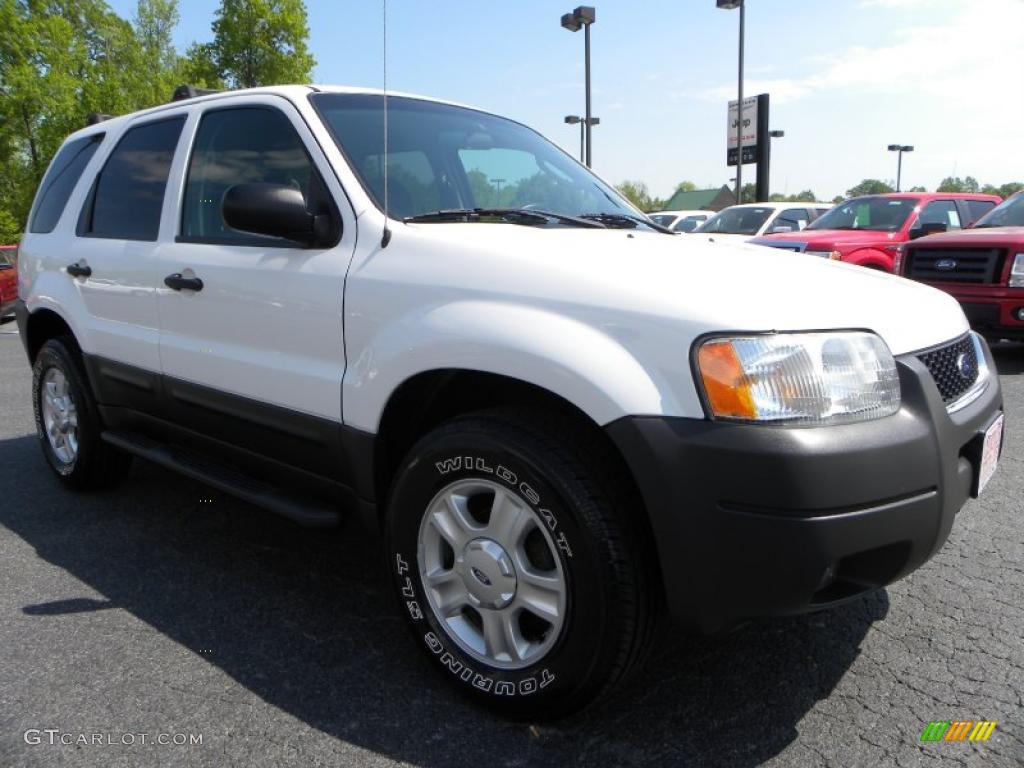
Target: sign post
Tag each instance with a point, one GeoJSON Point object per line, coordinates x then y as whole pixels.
{"type": "Point", "coordinates": [756, 145]}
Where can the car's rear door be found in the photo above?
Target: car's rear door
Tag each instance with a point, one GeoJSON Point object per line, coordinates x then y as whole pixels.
{"type": "Point", "coordinates": [257, 356]}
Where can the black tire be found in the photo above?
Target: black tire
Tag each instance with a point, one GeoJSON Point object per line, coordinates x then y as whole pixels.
{"type": "Point", "coordinates": [96, 463]}
{"type": "Point", "coordinates": [612, 600]}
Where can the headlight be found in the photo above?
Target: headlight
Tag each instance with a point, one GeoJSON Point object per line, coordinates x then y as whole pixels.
{"type": "Point", "coordinates": [1017, 272]}
{"type": "Point", "coordinates": [805, 378]}
{"type": "Point", "coordinates": [833, 255]}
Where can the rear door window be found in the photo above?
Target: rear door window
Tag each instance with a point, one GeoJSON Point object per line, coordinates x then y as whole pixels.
{"type": "Point", "coordinates": [60, 180]}
{"type": "Point", "coordinates": [129, 192]}
{"type": "Point", "coordinates": [940, 212]}
{"type": "Point", "coordinates": [791, 220]}
{"type": "Point", "coordinates": [978, 208]}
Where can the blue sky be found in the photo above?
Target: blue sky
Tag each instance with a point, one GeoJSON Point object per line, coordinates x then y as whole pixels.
{"type": "Point", "coordinates": [847, 78]}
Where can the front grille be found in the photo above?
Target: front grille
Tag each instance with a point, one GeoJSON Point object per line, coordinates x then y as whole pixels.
{"type": "Point", "coordinates": [953, 366]}
{"type": "Point", "coordinates": [955, 265]}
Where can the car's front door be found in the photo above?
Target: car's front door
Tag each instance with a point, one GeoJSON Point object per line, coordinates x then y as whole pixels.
{"type": "Point", "coordinates": [256, 355]}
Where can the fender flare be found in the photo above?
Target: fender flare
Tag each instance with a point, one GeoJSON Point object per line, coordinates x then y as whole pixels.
{"type": "Point", "coordinates": [575, 361]}
{"type": "Point", "coordinates": [871, 257]}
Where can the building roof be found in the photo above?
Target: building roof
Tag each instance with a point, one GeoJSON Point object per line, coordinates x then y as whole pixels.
{"type": "Point", "coordinates": [698, 199]}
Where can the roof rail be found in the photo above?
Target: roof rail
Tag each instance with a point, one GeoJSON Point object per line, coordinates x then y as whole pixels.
{"type": "Point", "coordinates": [183, 92]}
{"type": "Point", "coordinates": [96, 117]}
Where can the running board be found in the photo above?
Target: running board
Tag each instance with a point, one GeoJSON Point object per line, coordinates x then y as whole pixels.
{"type": "Point", "coordinates": [310, 513]}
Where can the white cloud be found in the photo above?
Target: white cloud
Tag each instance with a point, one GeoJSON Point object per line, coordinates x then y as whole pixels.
{"type": "Point", "coordinates": [946, 60]}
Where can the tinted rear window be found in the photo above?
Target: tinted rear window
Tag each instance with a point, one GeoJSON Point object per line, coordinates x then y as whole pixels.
{"type": "Point", "coordinates": [60, 180]}
{"type": "Point", "coordinates": [129, 193]}
{"type": "Point", "coordinates": [978, 208]}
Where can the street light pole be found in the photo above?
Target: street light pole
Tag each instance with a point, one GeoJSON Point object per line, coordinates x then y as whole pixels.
{"type": "Point", "coordinates": [586, 67]}
{"type": "Point", "coordinates": [731, 5]}
{"type": "Point", "coordinates": [583, 16]}
{"type": "Point", "coordinates": [899, 149]}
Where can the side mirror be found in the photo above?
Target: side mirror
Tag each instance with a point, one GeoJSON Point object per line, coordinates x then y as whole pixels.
{"type": "Point", "coordinates": [931, 228]}
{"type": "Point", "coordinates": [276, 210]}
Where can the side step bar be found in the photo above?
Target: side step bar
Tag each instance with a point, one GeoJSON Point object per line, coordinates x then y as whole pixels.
{"type": "Point", "coordinates": [310, 513]}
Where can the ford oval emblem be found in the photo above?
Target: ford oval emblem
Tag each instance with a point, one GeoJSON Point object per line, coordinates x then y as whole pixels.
{"type": "Point", "coordinates": [965, 367]}
{"type": "Point", "coordinates": [945, 265]}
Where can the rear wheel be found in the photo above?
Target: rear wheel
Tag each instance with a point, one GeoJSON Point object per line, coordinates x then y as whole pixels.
{"type": "Point", "coordinates": [517, 563]}
{"type": "Point", "coordinates": [67, 421]}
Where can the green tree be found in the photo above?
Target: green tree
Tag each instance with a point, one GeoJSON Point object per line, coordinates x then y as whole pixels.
{"type": "Point", "coordinates": [262, 42]}
{"type": "Point", "coordinates": [956, 184]}
{"type": "Point", "coordinates": [155, 21]}
{"type": "Point", "coordinates": [917, 189]}
{"type": "Point", "coordinates": [59, 61]}
{"type": "Point", "coordinates": [686, 186]}
{"type": "Point", "coordinates": [869, 187]}
{"type": "Point", "coordinates": [1006, 190]}
{"type": "Point", "coordinates": [637, 193]}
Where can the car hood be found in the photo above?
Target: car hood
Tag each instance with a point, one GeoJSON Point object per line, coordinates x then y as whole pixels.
{"type": "Point", "coordinates": [975, 237]}
{"type": "Point", "coordinates": [832, 238]}
{"type": "Point", "coordinates": [689, 284]}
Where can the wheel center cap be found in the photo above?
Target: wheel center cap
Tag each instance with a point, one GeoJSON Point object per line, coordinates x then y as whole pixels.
{"type": "Point", "coordinates": [488, 573]}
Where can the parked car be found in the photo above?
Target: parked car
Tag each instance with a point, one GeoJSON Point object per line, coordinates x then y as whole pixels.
{"type": "Point", "coordinates": [8, 280]}
{"type": "Point", "coordinates": [739, 223]}
{"type": "Point", "coordinates": [563, 433]}
{"type": "Point", "coordinates": [868, 231]}
{"type": "Point", "coordinates": [681, 221]}
{"type": "Point", "coordinates": [983, 267]}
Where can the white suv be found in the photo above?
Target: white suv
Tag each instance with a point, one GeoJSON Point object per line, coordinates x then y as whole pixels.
{"type": "Point", "coordinates": [565, 425]}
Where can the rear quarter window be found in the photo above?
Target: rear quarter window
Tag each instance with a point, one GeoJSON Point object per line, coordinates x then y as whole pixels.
{"type": "Point", "coordinates": [59, 181]}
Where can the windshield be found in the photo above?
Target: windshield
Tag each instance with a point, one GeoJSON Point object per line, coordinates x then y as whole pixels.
{"type": "Point", "coordinates": [878, 214]}
{"type": "Point", "coordinates": [690, 223]}
{"type": "Point", "coordinates": [737, 221]}
{"type": "Point", "coordinates": [1009, 213]}
{"type": "Point", "coordinates": [442, 157]}
{"type": "Point", "coordinates": [665, 219]}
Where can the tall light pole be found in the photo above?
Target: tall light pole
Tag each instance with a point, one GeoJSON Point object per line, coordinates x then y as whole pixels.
{"type": "Point", "coordinates": [583, 16]}
{"type": "Point", "coordinates": [729, 5]}
{"type": "Point", "coordinates": [899, 149]}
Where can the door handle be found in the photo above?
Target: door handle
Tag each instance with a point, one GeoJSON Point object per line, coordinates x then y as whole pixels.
{"type": "Point", "coordinates": [79, 270]}
{"type": "Point", "coordinates": [179, 282]}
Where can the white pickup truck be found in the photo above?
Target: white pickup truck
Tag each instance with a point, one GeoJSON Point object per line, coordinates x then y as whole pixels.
{"type": "Point", "coordinates": [565, 425]}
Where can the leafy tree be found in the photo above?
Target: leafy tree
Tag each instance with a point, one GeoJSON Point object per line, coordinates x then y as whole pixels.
{"type": "Point", "coordinates": [837, 199]}
{"type": "Point", "coordinates": [199, 66]}
{"type": "Point", "coordinates": [59, 61]}
{"type": "Point", "coordinates": [155, 21]}
{"type": "Point", "coordinates": [917, 189]}
{"type": "Point", "coordinates": [956, 184]}
{"type": "Point", "coordinates": [1005, 190]}
{"type": "Point", "coordinates": [686, 186]}
{"type": "Point", "coordinates": [748, 194]}
{"type": "Point", "coordinates": [637, 193]}
{"type": "Point", "coordinates": [262, 42]}
{"type": "Point", "coordinates": [869, 187]}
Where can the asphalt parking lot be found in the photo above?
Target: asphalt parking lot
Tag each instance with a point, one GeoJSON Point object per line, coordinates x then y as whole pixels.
{"type": "Point", "coordinates": [165, 608]}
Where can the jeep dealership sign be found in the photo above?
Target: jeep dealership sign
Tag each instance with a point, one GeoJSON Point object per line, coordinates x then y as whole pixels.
{"type": "Point", "coordinates": [749, 131]}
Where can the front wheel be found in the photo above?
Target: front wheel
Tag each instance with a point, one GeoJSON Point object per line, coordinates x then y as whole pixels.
{"type": "Point", "coordinates": [517, 563]}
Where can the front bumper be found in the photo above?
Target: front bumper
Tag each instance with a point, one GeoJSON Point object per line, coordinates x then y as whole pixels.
{"type": "Point", "coordinates": [755, 520]}
{"type": "Point", "coordinates": [994, 318]}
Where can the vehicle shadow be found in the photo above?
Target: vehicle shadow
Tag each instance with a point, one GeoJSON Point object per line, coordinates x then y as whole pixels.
{"type": "Point", "coordinates": [304, 620]}
{"type": "Point", "coordinates": [1009, 357]}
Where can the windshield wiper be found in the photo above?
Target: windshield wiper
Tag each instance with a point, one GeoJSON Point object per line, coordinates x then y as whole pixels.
{"type": "Point", "coordinates": [510, 214]}
{"type": "Point", "coordinates": [625, 221]}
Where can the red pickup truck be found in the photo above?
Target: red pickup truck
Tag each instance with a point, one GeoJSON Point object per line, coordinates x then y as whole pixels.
{"type": "Point", "coordinates": [983, 267]}
{"type": "Point", "coordinates": [8, 279]}
{"type": "Point", "coordinates": [869, 230]}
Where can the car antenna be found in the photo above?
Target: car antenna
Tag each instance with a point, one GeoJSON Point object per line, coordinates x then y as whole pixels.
{"type": "Point", "coordinates": [386, 236]}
